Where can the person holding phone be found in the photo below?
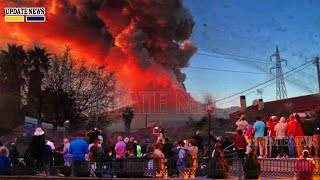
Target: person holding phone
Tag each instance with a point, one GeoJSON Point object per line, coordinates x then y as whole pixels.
{"type": "Point", "coordinates": [160, 134]}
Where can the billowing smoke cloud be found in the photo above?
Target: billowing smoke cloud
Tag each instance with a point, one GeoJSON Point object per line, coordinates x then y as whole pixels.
{"type": "Point", "coordinates": [155, 32]}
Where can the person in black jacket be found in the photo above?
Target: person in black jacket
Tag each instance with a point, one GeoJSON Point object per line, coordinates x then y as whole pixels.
{"type": "Point", "coordinates": [14, 155]}
{"type": "Point", "coordinates": [47, 159]}
{"type": "Point", "coordinates": [36, 150]}
{"type": "Point", "coordinates": [307, 128]}
{"type": "Point", "coordinates": [199, 140]}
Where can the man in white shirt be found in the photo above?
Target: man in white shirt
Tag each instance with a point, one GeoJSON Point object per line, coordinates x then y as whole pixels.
{"type": "Point", "coordinates": [50, 143]}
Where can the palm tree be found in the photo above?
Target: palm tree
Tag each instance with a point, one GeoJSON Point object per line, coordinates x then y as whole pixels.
{"type": "Point", "coordinates": [36, 65]}
{"type": "Point", "coordinates": [127, 116]}
{"type": "Point", "coordinates": [11, 65]}
{"type": "Point", "coordinates": [11, 83]}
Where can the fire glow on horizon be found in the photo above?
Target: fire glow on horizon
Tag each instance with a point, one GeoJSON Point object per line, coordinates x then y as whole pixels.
{"type": "Point", "coordinates": [144, 41]}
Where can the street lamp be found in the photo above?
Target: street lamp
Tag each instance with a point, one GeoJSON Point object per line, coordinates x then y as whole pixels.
{"type": "Point", "coordinates": [98, 95]}
{"type": "Point", "coordinates": [209, 108]}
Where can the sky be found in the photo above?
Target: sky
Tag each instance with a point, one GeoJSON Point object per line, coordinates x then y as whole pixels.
{"type": "Point", "coordinates": [252, 29]}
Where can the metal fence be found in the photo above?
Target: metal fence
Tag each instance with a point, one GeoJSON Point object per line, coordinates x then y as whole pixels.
{"type": "Point", "coordinates": [229, 165]}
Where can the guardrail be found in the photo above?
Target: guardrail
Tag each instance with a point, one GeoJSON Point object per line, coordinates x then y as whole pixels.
{"type": "Point", "coordinates": [229, 165]}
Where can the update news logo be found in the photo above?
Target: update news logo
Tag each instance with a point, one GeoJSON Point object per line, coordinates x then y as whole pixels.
{"type": "Point", "coordinates": [25, 14]}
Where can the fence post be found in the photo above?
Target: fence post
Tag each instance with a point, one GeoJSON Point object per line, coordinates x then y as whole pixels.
{"type": "Point", "coordinates": [72, 167]}
{"type": "Point", "coordinates": [239, 168]}
{"type": "Point", "coordinates": [154, 168]}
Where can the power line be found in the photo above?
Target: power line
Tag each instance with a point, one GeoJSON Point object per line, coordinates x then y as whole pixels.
{"type": "Point", "coordinates": [304, 73]}
{"type": "Point", "coordinates": [225, 70]}
{"type": "Point", "coordinates": [296, 70]}
{"type": "Point", "coordinates": [240, 56]}
{"type": "Point", "coordinates": [236, 59]}
{"type": "Point", "coordinates": [265, 86]}
{"type": "Point", "coordinates": [262, 83]}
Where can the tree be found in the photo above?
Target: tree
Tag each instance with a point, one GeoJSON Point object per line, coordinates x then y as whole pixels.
{"type": "Point", "coordinates": [36, 65]}
{"type": "Point", "coordinates": [127, 116]}
{"type": "Point", "coordinates": [76, 90]}
{"type": "Point", "coordinates": [11, 66]}
{"type": "Point", "coordinates": [11, 83]}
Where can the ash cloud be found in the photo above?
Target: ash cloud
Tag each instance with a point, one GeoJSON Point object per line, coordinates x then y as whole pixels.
{"type": "Point", "coordinates": [152, 32]}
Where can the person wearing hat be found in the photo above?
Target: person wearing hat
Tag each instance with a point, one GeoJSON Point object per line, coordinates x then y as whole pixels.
{"type": "Point", "coordinates": [37, 149]}
{"type": "Point", "coordinates": [305, 166]}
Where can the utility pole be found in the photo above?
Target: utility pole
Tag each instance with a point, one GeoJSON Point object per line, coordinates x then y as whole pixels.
{"type": "Point", "coordinates": [281, 91]}
{"type": "Point", "coordinates": [98, 96]}
{"type": "Point", "coordinates": [209, 110]}
{"type": "Point", "coordinates": [146, 120]}
{"type": "Point", "coordinates": [318, 71]}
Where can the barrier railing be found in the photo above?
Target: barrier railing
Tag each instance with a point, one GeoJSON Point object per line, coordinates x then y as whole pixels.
{"type": "Point", "coordinates": [229, 165]}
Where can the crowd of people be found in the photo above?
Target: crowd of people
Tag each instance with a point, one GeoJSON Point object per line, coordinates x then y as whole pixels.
{"type": "Point", "coordinates": [294, 137]}
{"type": "Point", "coordinates": [279, 138]}
{"type": "Point", "coordinates": [178, 159]}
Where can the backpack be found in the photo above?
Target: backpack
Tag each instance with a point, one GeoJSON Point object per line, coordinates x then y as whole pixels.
{"type": "Point", "coordinates": [187, 159]}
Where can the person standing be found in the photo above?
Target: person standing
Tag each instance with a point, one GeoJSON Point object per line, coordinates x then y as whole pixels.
{"type": "Point", "coordinates": [37, 150]}
{"type": "Point", "coordinates": [305, 166]}
{"type": "Point", "coordinates": [199, 141]}
{"type": "Point", "coordinates": [95, 156]}
{"type": "Point", "coordinates": [160, 136]}
{"type": "Point", "coordinates": [132, 146]}
{"type": "Point", "coordinates": [316, 134]}
{"type": "Point", "coordinates": [139, 154]}
{"type": "Point", "coordinates": [160, 158]}
{"type": "Point", "coordinates": [248, 135]}
{"type": "Point", "coordinates": [14, 155]}
{"type": "Point", "coordinates": [120, 148]}
{"type": "Point", "coordinates": [299, 135]}
{"type": "Point", "coordinates": [65, 152]}
{"type": "Point", "coordinates": [240, 145]}
{"type": "Point", "coordinates": [50, 143]}
{"type": "Point", "coordinates": [242, 123]}
{"type": "Point", "coordinates": [291, 134]}
{"type": "Point", "coordinates": [5, 163]}
{"type": "Point", "coordinates": [272, 133]}
{"type": "Point", "coordinates": [280, 129]}
{"type": "Point", "coordinates": [93, 134]}
{"type": "Point", "coordinates": [78, 149]}
{"type": "Point", "coordinates": [48, 158]}
{"type": "Point", "coordinates": [265, 139]}
{"type": "Point", "coordinates": [168, 151]}
{"type": "Point", "coordinates": [258, 130]}
{"type": "Point", "coordinates": [144, 147]}
{"type": "Point", "coordinates": [193, 149]}
{"type": "Point", "coordinates": [307, 132]}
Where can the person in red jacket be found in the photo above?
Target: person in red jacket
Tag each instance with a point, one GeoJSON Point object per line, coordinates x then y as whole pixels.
{"type": "Point", "coordinates": [240, 145]}
{"type": "Point", "coordinates": [299, 135]}
{"type": "Point", "coordinates": [273, 121]}
{"type": "Point", "coordinates": [291, 134]}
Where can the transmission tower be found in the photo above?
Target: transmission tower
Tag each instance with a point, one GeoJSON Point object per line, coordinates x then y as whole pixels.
{"type": "Point", "coordinates": [281, 91]}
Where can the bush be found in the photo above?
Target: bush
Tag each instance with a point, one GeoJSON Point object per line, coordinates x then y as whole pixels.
{"type": "Point", "coordinates": [251, 167]}
{"type": "Point", "coordinates": [218, 168]}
